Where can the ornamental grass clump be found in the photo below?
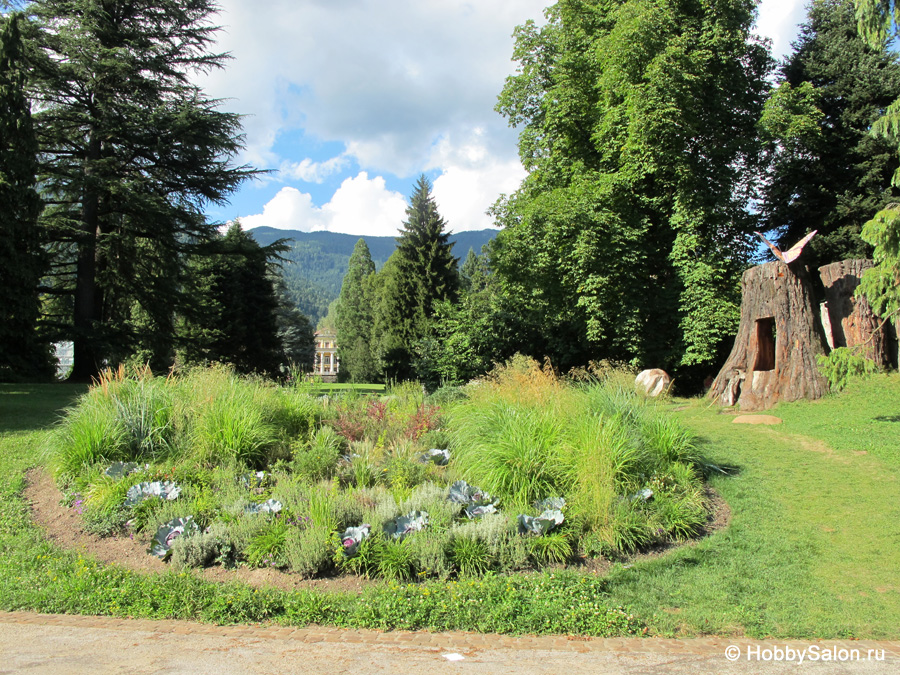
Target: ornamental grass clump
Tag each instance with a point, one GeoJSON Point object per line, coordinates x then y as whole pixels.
{"type": "Point", "coordinates": [523, 434]}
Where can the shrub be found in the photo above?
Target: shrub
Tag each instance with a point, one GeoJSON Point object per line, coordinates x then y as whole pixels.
{"type": "Point", "coordinates": [429, 554]}
{"type": "Point", "coordinates": [470, 556]}
{"type": "Point", "coordinates": [842, 365]}
{"type": "Point", "coordinates": [395, 559]}
{"type": "Point", "coordinates": [309, 551]}
{"type": "Point", "coordinates": [550, 549]}
{"type": "Point", "coordinates": [318, 459]}
{"type": "Point", "coordinates": [267, 547]}
{"type": "Point", "coordinates": [204, 548]}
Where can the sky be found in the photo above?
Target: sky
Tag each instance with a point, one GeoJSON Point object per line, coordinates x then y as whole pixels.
{"type": "Point", "coordinates": [347, 102]}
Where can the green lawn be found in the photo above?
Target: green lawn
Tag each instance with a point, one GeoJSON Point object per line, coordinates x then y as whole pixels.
{"type": "Point", "coordinates": [812, 549]}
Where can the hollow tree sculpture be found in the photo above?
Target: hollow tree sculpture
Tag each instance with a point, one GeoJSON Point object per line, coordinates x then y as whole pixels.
{"type": "Point", "coordinates": [779, 337]}
{"type": "Point", "coordinates": [851, 320]}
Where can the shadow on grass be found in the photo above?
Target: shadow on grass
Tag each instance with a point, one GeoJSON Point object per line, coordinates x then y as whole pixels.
{"type": "Point", "coordinates": [30, 407]}
{"type": "Point", "coordinates": [887, 418]}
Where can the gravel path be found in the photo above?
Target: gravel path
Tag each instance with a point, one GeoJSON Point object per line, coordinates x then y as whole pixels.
{"type": "Point", "coordinates": [72, 645]}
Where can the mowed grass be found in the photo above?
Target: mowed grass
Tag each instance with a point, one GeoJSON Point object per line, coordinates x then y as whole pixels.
{"type": "Point", "coordinates": [811, 551]}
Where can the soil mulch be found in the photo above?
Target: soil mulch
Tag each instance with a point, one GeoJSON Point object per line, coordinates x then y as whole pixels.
{"type": "Point", "coordinates": [63, 526]}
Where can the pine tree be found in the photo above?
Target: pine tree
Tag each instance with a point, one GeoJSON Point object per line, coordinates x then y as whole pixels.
{"type": "Point", "coordinates": [423, 271]}
{"type": "Point", "coordinates": [133, 152]}
{"type": "Point", "coordinates": [23, 354]}
{"type": "Point", "coordinates": [835, 180]}
{"type": "Point", "coordinates": [355, 318]}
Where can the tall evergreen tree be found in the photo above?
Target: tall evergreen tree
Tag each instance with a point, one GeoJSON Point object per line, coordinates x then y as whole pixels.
{"type": "Point", "coordinates": [879, 24]}
{"type": "Point", "coordinates": [420, 273]}
{"type": "Point", "coordinates": [355, 318]}
{"type": "Point", "coordinates": [295, 331]}
{"type": "Point", "coordinates": [233, 316]}
{"type": "Point", "coordinates": [23, 354]}
{"type": "Point", "coordinates": [836, 179]}
{"type": "Point", "coordinates": [133, 151]}
{"type": "Point", "coordinates": [638, 129]}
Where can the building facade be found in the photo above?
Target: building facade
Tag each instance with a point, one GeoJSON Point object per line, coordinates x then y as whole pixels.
{"type": "Point", "coordinates": [326, 364]}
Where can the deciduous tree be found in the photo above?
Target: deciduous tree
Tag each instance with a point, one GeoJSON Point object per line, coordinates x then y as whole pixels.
{"type": "Point", "coordinates": [638, 131]}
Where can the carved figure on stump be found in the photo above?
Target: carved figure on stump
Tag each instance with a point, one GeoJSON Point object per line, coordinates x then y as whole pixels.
{"type": "Point", "coordinates": [779, 337]}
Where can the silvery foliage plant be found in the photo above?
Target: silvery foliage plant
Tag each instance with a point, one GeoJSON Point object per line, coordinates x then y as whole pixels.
{"type": "Point", "coordinates": [161, 490]}
{"type": "Point", "coordinates": [161, 546]}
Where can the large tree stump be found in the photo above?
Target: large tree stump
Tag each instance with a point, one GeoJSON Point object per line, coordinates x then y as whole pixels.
{"type": "Point", "coordinates": [852, 322]}
{"type": "Point", "coordinates": [779, 337]}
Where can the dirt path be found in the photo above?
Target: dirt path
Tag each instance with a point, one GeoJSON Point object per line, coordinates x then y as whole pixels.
{"type": "Point", "coordinates": [76, 645]}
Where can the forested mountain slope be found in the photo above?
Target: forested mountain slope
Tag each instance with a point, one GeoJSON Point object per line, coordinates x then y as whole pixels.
{"type": "Point", "coordinates": [317, 261]}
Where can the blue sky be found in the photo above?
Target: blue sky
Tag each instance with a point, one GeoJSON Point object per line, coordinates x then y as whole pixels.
{"type": "Point", "coordinates": [348, 101]}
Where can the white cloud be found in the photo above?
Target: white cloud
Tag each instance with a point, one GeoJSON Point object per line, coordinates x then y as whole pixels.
{"type": "Point", "coordinates": [310, 171]}
{"type": "Point", "coordinates": [360, 206]}
{"type": "Point", "coordinates": [471, 180]}
{"type": "Point", "coordinates": [386, 79]}
{"type": "Point", "coordinates": [779, 20]}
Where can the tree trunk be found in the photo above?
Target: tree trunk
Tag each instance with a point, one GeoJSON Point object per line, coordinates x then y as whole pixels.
{"type": "Point", "coordinates": [87, 316]}
{"type": "Point", "coordinates": [779, 337]}
{"type": "Point", "coordinates": [852, 322]}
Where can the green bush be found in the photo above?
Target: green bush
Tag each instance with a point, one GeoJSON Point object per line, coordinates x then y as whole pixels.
{"type": "Point", "coordinates": [267, 547]}
{"type": "Point", "coordinates": [396, 559]}
{"type": "Point", "coordinates": [843, 365]}
{"type": "Point", "coordinates": [318, 458]}
{"type": "Point", "coordinates": [470, 556]}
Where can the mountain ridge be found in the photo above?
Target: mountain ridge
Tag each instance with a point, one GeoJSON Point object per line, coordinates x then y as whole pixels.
{"type": "Point", "coordinates": [316, 262]}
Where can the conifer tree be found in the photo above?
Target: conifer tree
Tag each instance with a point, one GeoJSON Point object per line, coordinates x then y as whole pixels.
{"type": "Point", "coordinates": [420, 273]}
{"type": "Point", "coordinates": [133, 151]}
{"type": "Point", "coordinates": [355, 318]}
{"type": "Point", "coordinates": [23, 354]}
{"type": "Point", "coordinates": [836, 179]}
{"type": "Point", "coordinates": [233, 316]}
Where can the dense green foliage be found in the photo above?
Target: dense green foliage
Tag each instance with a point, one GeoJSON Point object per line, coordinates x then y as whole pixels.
{"type": "Point", "coordinates": [833, 175]}
{"type": "Point", "coordinates": [23, 354]}
{"type": "Point", "coordinates": [316, 262]}
{"type": "Point", "coordinates": [355, 318]}
{"type": "Point", "coordinates": [418, 275]}
{"type": "Point", "coordinates": [627, 473]}
{"type": "Point", "coordinates": [132, 152]}
{"type": "Point", "coordinates": [796, 559]}
{"type": "Point", "coordinates": [233, 310]}
{"type": "Point", "coordinates": [879, 20]}
{"type": "Point", "coordinates": [638, 130]}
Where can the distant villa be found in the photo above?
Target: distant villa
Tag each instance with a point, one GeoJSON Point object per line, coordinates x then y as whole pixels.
{"type": "Point", "coordinates": [326, 364]}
